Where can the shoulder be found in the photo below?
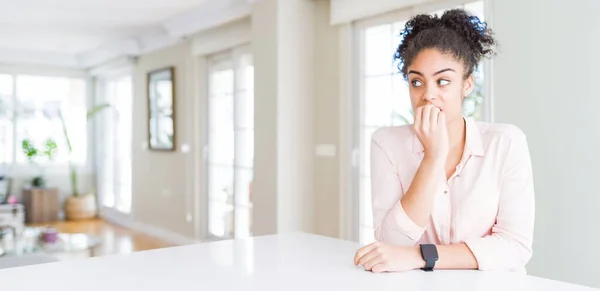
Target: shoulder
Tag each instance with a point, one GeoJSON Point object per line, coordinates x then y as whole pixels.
{"type": "Point", "coordinates": [500, 130]}
{"type": "Point", "coordinates": [501, 134]}
{"type": "Point", "coordinates": [392, 135]}
{"type": "Point", "coordinates": [394, 142]}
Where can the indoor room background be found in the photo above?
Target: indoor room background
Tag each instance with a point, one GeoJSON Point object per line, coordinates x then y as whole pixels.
{"type": "Point", "coordinates": [239, 118]}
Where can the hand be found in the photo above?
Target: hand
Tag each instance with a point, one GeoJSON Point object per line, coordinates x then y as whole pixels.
{"type": "Point", "coordinates": [430, 126]}
{"type": "Point", "coordinates": [378, 258]}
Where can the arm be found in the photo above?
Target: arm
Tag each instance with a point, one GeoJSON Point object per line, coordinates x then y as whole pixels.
{"type": "Point", "coordinates": [418, 200]}
{"type": "Point", "coordinates": [457, 256]}
{"type": "Point", "coordinates": [401, 218]}
{"type": "Point", "coordinates": [510, 244]}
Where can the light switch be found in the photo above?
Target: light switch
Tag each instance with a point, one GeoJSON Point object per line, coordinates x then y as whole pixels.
{"type": "Point", "coordinates": [185, 148]}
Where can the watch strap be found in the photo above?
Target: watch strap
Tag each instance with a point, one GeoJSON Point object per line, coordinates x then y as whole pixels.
{"type": "Point", "coordinates": [429, 255]}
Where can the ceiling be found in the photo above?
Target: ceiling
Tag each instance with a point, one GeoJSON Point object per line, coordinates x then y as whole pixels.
{"type": "Point", "coordinates": [67, 31]}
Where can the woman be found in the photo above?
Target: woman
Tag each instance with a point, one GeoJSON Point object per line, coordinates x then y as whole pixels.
{"type": "Point", "coordinates": [448, 192]}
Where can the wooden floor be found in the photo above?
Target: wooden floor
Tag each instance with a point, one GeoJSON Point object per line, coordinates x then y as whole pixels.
{"type": "Point", "coordinates": [115, 239]}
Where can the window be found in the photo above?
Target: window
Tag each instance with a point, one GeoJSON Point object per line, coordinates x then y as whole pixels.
{"type": "Point", "coordinates": [230, 160]}
{"type": "Point", "coordinates": [115, 130]}
{"type": "Point", "coordinates": [30, 108]}
{"type": "Point", "coordinates": [6, 119]}
{"type": "Point", "coordinates": [384, 101]}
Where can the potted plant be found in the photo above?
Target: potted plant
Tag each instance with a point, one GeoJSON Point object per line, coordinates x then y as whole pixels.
{"type": "Point", "coordinates": [78, 205]}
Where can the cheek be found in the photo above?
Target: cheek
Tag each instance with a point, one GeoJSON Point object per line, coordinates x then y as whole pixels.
{"type": "Point", "coordinates": [415, 97]}
{"type": "Point", "coordinates": [451, 99]}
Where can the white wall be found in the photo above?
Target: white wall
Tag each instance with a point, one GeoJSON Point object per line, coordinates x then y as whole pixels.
{"type": "Point", "coordinates": [546, 83]}
{"type": "Point", "coordinates": [224, 37]}
{"type": "Point", "coordinates": [349, 10]}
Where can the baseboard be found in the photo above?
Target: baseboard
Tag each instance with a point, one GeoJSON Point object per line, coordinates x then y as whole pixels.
{"type": "Point", "coordinates": [126, 221]}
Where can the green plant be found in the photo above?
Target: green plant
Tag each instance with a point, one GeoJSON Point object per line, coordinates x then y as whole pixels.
{"type": "Point", "coordinates": [32, 152]}
{"type": "Point", "coordinates": [50, 149]}
{"type": "Point", "coordinates": [72, 170]}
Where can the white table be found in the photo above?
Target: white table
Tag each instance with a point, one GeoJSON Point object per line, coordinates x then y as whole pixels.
{"type": "Point", "coordinates": [294, 261]}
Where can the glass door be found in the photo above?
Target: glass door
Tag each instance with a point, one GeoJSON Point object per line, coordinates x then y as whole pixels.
{"type": "Point", "coordinates": [230, 159]}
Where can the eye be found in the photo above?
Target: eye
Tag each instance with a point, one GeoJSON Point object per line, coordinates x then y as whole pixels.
{"type": "Point", "coordinates": [416, 83]}
{"type": "Point", "coordinates": [443, 82]}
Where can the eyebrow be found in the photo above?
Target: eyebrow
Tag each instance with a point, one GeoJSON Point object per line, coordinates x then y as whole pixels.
{"type": "Point", "coordinates": [436, 73]}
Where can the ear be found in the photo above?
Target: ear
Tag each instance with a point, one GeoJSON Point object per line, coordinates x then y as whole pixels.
{"type": "Point", "coordinates": [468, 85]}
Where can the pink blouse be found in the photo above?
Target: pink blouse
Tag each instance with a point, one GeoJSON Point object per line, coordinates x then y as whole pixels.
{"type": "Point", "coordinates": [488, 203]}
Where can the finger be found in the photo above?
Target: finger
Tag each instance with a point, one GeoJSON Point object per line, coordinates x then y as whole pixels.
{"type": "Point", "coordinates": [367, 257]}
{"type": "Point", "coordinates": [433, 116]}
{"type": "Point", "coordinates": [368, 265]}
{"type": "Point", "coordinates": [441, 118]}
{"type": "Point", "coordinates": [418, 117]}
{"type": "Point", "coordinates": [425, 117]}
{"type": "Point", "coordinates": [363, 251]}
{"type": "Point", "coordinates": [379, 268]}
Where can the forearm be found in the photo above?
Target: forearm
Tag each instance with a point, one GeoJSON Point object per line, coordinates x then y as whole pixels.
{"type": "Point", "coordinates": [418, 200]}
{"type": "Point", "coordinates": [457, 256]}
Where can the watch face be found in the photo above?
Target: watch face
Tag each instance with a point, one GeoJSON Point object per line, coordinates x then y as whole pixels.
{"type": "Point", "coordinates": [429, 252]}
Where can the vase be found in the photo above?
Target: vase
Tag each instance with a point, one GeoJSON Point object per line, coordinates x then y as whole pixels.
{"type": "Point", "coordinates": [81, 207]}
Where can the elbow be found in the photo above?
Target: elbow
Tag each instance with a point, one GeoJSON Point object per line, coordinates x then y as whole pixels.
{"type": "Point", "coordinates": [396, 228]}
{"type": "Point", "coordinates": [389, 236]}
{"type": "Point", "coordinates": [500, 252]}
{"type": "Point", "coordinates": [516, 260]}
{"type": "Point", "coordinates": [519, 251]}
{"type": "Point", "coordinates": [523, 254]}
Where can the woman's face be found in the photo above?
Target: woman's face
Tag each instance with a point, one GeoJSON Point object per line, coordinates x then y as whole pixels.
{"type": "Point", "coordinates": [437, 79]}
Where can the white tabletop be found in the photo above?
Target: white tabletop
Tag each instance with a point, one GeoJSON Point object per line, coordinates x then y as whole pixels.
{"type": "Point", "coordinates": [294, 261]}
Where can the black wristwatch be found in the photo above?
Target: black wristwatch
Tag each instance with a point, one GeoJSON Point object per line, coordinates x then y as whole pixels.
{"type": "Point", "coordinates": [430, 255]}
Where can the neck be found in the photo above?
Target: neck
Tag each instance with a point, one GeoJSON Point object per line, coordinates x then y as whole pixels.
{"type": "Point", "coordinates": [457, 130]}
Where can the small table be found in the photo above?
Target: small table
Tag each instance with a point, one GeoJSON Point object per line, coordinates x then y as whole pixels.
{"type": "Point", "coordinates": [29, 242]}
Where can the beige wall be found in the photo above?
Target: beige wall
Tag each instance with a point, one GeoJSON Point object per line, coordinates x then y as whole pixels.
{"type": "Point", "coordinates": [162, 181]}
{"type": "Point", "coordinates": [283, 37]}
{"type": "Point", "coordinates": [264, 48]}
{"type": "Point", "coordinates": [327, 108]}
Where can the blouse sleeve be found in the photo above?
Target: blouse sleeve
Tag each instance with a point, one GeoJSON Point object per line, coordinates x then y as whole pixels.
{"type": "Point", "coordinates": [510, 244]}
{"type": "Point", "coordinates": [392, 225]}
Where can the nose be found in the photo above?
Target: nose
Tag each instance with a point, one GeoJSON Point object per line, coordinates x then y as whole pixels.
{"type": "Point", "coordinates": [429, 94]}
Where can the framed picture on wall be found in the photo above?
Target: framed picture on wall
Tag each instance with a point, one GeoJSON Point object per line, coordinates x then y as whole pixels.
{"type": "Point", "coordinates": [161, 109]}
